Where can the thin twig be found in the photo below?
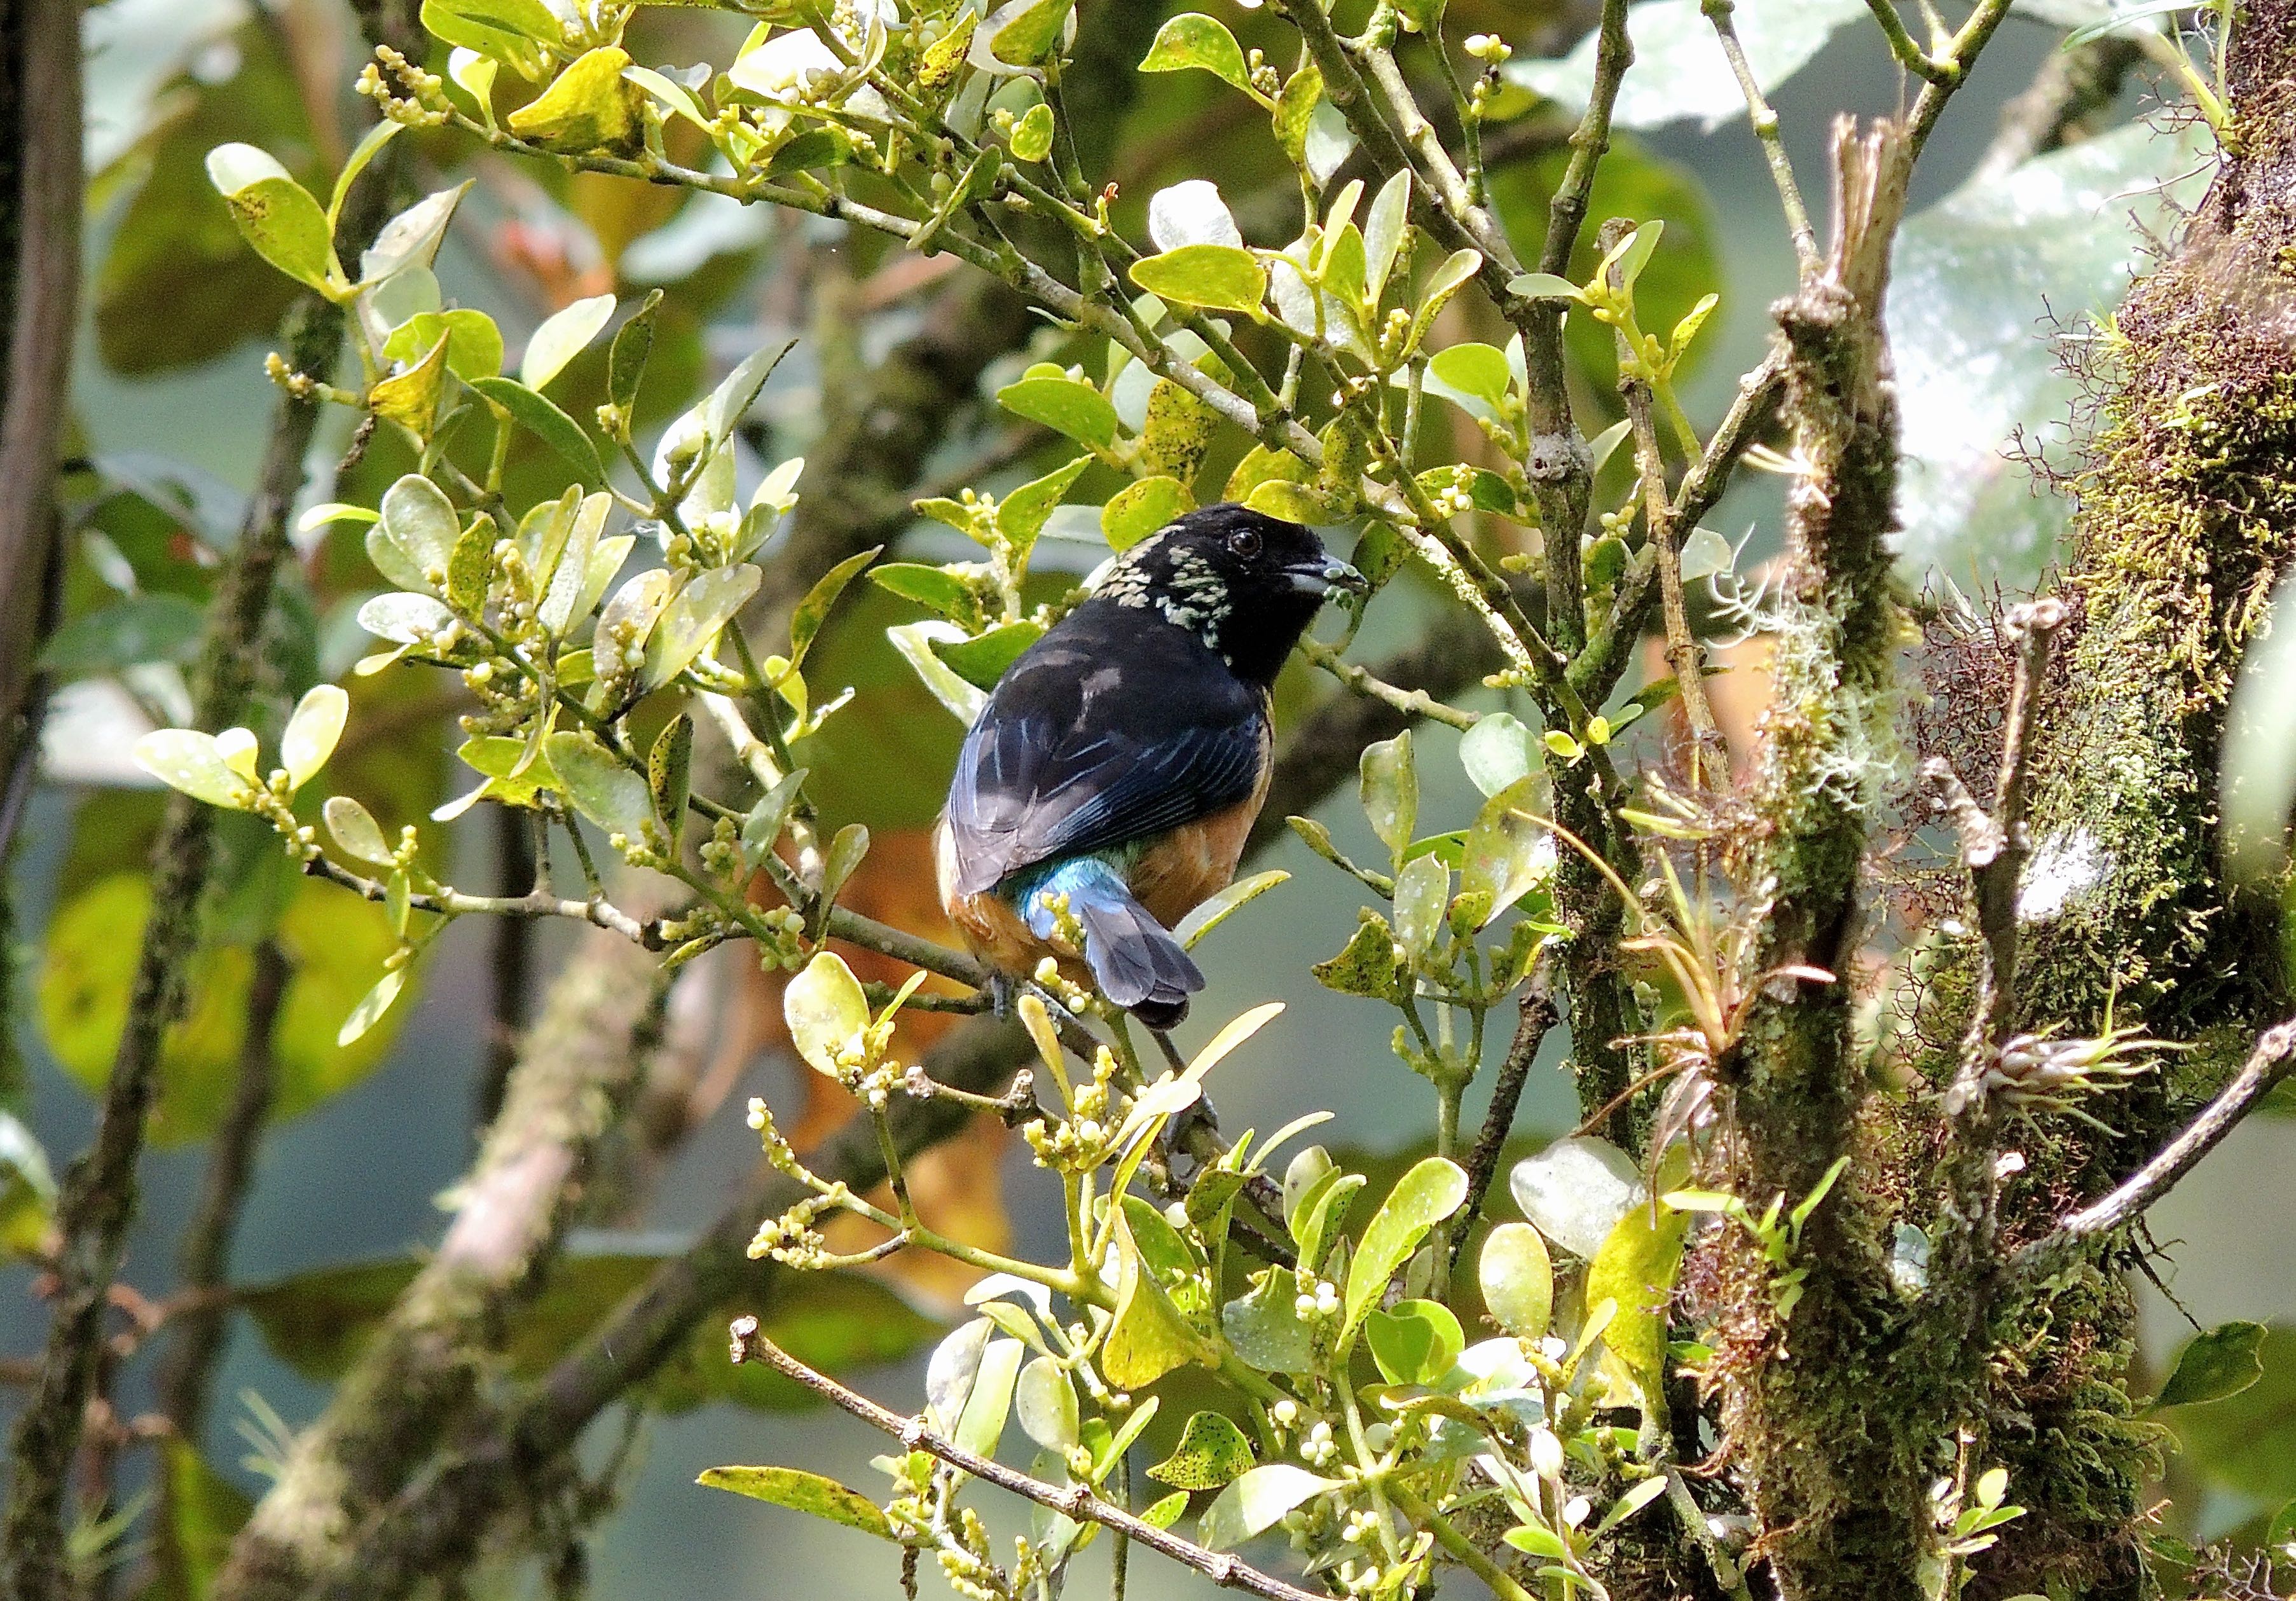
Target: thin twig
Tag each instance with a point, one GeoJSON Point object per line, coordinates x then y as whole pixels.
{"type": "Point", "coordinates": [1077, 1502]}
{"type": "Point", "coordinates": [599, 912]}
{"type": "Point", "coordinates": [1538, 1014]}
{"type": "Point", "coordinates": [1764, 119]}
{"type": "Point", "coordinates": [511, 964]}
{"type": "Point", "coordinates": [1682, 650]}
{"type": "Point", "coordinates": [1593, 673]}
{"type": "Point", "coordinates": [2069, 91]}
{"type": "Point", "coordinates": [1412, 702]}
{"type": "Point", "coordinates": [1902, 45]}
{"type": "Point", "coordinates": [2271, 1061]}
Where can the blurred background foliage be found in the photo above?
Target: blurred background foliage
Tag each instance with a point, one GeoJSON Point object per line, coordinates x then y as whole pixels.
{"type": "Point", "coordinates": [171, 407]}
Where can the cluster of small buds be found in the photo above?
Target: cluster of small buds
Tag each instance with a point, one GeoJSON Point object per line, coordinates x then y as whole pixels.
{"type": "Point", "coordinates": [1394, 337]}
{"type": "Point", "coordinates": [779, 1152]}
{"type": "Point", "coordinates": [1075, 1144]}
{"type": "Point", "coordinates": [1047, 975]}
{"type": "Point", "coordinates": [649, 849]}
{"type": "Point", "coordinates": [779, 939]}
{"type": "Point", "coordinates": [965, 1561]}
{"type": "Point", "coordinates": [419, 98]}
{"type": "Point", "coordinates": [790, 1239]}
{"type": "Point", "coordinates": [514, 591]}
{"type": "Point", "coordinates": [1322, 1299]}
{"type": "Point", "coordinates": [708, 541]}
{"type": "Point", "coordinates": [1262, 76]}
{"type": "Point", "coordinates": [1028, 1564]}
{"type": "Point", "coordinates": [875, 1087]}
{"type": "Point", "coordinates": [296, 385]}
{"type": "Point", "coordinates": [1319, 1448]}
{"type": "Point", "coordinates": [273, 801]}
{"type": "Point", "coordinates": [721, 852]}
{"type": "Point", "coordinates": [701, 921]}
{"type": "Point", "coordinates": [1487, 48]}
{"type": "Point", "coordinates": [1362, 1524]}
{"type": "Point", "coordinates": [1453, 499]}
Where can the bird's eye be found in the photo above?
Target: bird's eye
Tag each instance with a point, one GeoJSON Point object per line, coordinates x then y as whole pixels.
{"type": "Point", "coordinates": [1245, 543]}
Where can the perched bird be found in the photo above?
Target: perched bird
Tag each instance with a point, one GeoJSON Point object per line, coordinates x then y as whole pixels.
{"type": "Point", "coordinates": [1122, 758]}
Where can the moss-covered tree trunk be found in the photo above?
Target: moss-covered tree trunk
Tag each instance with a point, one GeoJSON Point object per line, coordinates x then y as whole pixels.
{"type": "Point", "coordinates": [1831, 1443]}
{"type": "Point", "coordinates": [2186, 511]}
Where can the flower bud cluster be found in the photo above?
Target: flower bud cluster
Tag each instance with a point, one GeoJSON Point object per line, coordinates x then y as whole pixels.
{"type": "Point", "coordinates": [403, 91]}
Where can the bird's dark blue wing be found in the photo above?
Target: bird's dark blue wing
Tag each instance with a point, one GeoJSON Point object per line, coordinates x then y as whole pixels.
{"type": "Point", "coordinates": [1113, 728]}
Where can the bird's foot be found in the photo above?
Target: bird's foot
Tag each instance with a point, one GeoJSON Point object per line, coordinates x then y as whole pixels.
{"type": "Point", "coordinates": [1194, 1132]}
{"type": "Point", "coordinates": [1004, 993]}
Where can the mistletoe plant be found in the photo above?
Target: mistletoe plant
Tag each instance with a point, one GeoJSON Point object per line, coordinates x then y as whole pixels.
{"type": "Point", "coordinates": [600, 630]}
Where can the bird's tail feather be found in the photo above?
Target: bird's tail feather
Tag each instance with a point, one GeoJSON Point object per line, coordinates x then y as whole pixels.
{"type": "Point", "coordinates": [1134, 958]}
{"type": "Point", "coordinates": [1136, 961]}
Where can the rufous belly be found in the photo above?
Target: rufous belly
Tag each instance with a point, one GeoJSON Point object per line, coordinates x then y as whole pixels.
{"type": "Point", "coordinates": [1170, 879]}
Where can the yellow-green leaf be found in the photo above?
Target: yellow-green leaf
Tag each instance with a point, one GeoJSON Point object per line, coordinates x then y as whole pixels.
{"type": "Point", "coordinates": [826, 1011]}
{"type": "Point", "coordinates": [801, 1491]}
{"type": "Point", "coordinates": [1635, 1269]}
{"type": "Point", "coordinates": [590, 106]}
{"type": "Point", "coordinates": [1211, 1451]}
{"type": "Point", "coordinates": [1193, 39]}
{"type": "Point", "coordinates": [1220, 277]}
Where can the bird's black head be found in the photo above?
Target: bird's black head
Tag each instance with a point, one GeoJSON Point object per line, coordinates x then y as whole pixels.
{"type": "Point", "coordinates": [1247, 584]}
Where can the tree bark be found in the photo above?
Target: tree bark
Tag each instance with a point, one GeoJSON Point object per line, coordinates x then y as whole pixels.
{"type": "Point", "coordinates": [576, 1072]}
{"type": "Point", "coordinates": [1833, 1433]}
{"type": "Point", "coordinates": [2187, 515]}
{"type": "Point", "coordinates": [39, 300]}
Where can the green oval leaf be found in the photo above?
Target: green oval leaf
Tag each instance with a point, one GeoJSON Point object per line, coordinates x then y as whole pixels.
{"type": "Point", "coordinates": [185, 760]}
{"type": "Point", "coordinates": [1388, 784]}
{"type": "Point", "coordinates": [1044, 1398]}
{"type": "Point", "coordinates": [599, 785]}
{"type": "Point", "coordinates": [1414, 1341]}
{"type": "Point", "coordinates": [1220, 277]}
{"type": "Point", "coordinates": [541, 417]}
{"type": "Point", "coordinates": [1255, 1502]}
{"type": "Point", "coordinates": [1635, 1270]}
{"type": "Point", "coordinates": [1066, 405]}
{"type": "Point", "coordinates": [2221, 1362]}
{"type": "Point", "coordinates": [981, 660]}
{"type": "Point", "coordinates": [563, 336]}
{"type": "Point", "coordinates": [1211, 1452]}
{"type": "Point", "coordinates": [276, 214]}
{"type": "Point", "coordinates": [692, 620]}
{"type": "Point", "coordinates": [1517, 1280]}
{"type": "Point", "coordinates": [371, 1007]}
{"type": "Point", "coordinates": [933, 587]}
{"type": "Point", "coordinates": [813, 611]}
{"type": "Point", "coordinates": [1474, 369]}
{"type": "Point", "coordinates": [1421, 1198]}
{"type": "Point", "coordinates": [1141, 509]}
{"type": "Point", "coordinates": [801, 1491]}
{"type": "Point", "coordinates": [826, 1011]}
{"type": "Point", "coordinates": [982, 1425]}
{"type": "Point", "coordinates": [1193, 39]}
{"type": "Point", "coordinates": [311, 732]}
{"type": "Point", "coordinates": [589, 106]}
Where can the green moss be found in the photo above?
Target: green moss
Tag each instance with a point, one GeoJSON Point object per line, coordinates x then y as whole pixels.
{"type": "Point", "coordinates": [2187, 512]}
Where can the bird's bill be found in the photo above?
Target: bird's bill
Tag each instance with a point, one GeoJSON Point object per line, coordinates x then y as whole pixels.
{"type": "Point", "coordinates": [1325, 575]}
